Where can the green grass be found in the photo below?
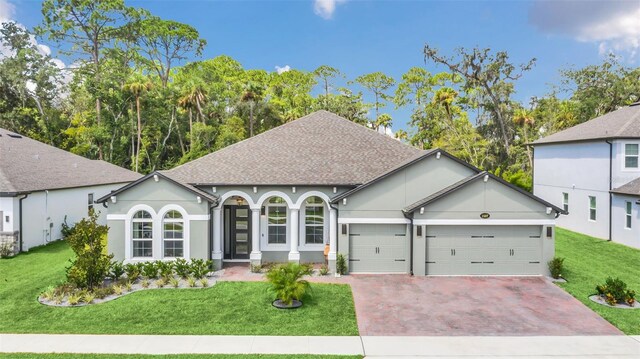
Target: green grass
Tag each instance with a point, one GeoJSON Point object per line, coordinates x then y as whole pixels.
{"type": "Point", "coordinates": [177, 356]}
{"type": "Point", "coordinates": [228, 308]}
{"type": "Point", "coordinates": [588, 262]}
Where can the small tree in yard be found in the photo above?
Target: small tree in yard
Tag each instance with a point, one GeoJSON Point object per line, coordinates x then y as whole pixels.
{"type": "Point", "coordinates": [91, 265]}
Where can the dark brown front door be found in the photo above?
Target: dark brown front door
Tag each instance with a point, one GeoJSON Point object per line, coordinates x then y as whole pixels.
{"type": "Point", "coordinates": [237, 232]}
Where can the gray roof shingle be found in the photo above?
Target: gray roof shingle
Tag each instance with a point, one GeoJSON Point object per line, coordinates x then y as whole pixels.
{"type": "Point", "coordinates": [622, 123]}
{"type": "Point", "coordinates": [28, 165]}
{"type": "Point", "coordinates": [630, 188]}
{"type": "Point", "coordinates": [318, 149]}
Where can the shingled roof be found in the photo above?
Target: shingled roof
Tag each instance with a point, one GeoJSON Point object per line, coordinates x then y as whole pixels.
{"type": "Point", "coordinates": [622, 123]}
{"type": "Point", "coordinates": [318, 149]}
{"type": "Point", "coordinates": [630, 188]}
{"type": "Point", "coordinates": [27, 165]}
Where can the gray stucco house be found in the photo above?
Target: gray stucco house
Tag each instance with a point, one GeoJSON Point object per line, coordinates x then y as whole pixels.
{"type": "Point", "coordinates": [323, 182]}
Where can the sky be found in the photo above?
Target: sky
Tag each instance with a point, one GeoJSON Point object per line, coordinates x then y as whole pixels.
{"type": "Point", "coordinates": [359, 36]}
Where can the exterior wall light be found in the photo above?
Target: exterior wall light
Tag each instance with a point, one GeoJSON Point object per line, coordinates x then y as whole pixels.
{"type": "Point", "coordinates": [293, 190]}
{"type": "Point", "coordinates": [486, 178]}
{"type": "Point", "coordinates": [344, 201]}
{"type": "Point", "coordinates": [438, 155]}
{"type": "Point", "coordinates": [255, 189]}
{"type": "Point", "coordinates": [156, 178]}
{"type": "Point", "coordinates": [199, 199]}
{"type": "Point", "coordinates": [113, 199]}
{"type": "Point", "coordinates": [548, 210]}
{"type": "Point", "coordinates": [213, 189]}
{"type": "Point", "coordinates": [335, 189]}
{"type": "Point", "coordinates": [421, 210]}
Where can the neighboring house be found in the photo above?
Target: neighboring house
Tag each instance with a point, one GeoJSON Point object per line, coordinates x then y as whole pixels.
{"type": "Point", "coordinates": [592, 170]}
{"type": "Point", "coordinates": [41, 185]}
{"type": "Point", "coordinates": [324, 183]}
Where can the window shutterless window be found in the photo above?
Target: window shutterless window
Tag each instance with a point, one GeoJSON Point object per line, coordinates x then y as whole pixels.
{"type": "Point", "coordinates": [628, 211]}
{"type": "Point", "coordinates": [142, 234]}
{"type": "Point", "coordinates": [592, 208]}
{"type": "Point", "coordinates": [314, 221]}
{"type": "Point", "coordinates": [631, 155]}
{"type": "Point", "coordinates": [89, 202]}
{"type": "Point", "coordinates": [277, 221]}
{"type": "Point", "coordinates": [173, 234]}
{"type": "Point", "coordinates": [565, 201]}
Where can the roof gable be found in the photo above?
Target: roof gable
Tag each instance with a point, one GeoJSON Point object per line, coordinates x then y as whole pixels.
{"type": "Point", "coordinates": [622, 123]}
{"type": "Point", "coordinates": [28, 165]}
{"type": "Point", "coordinates": [318, 149]}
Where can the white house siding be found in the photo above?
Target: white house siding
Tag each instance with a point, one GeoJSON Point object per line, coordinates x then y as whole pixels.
{"type": "Point", "coordinates": [620, 175]}
{"type": "Point", "coordinates": [581, 170]}
{"type": "Point", "coordinates": [9, 214]}
{"type": "Point", "coordinates": [620, 232]}
{"type": "Point", "coordinates": [45, 211]}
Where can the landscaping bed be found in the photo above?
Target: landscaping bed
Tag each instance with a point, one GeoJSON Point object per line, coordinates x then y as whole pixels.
{"type": "Point", "coordinates": [589, 262]}
{"type": "Point", "coordinates": [228, 308]}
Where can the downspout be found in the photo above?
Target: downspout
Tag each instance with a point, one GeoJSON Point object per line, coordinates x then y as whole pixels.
{"type": "Point", "coordinates": [337, 226]}
{"type": "Point", "coordinates": [20, 222]}
{"type": "Point", "coordinates": [410, 218]}
{"type": "Point", "coordinates": [610, 185]}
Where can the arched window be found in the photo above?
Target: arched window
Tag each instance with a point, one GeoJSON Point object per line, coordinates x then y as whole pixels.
{"type": "Point", "coordinates": [314, 221]}
{"type": "Point", "coordinates": [277, 220]}
{"type": "Point", "coordinates": [173, 234]}
{"type": "Point", "coordinates": [142, 234]}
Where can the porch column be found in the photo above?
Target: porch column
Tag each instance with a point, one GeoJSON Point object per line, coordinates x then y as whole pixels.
{"type": "Point", "coordinates": [294, 255]}
{"type": "Point", "coordinates": [333, 239]}
{"type": "Point", "coordinates": [256, 255]}
{"type": "Point", "coordinates": [216, 256]}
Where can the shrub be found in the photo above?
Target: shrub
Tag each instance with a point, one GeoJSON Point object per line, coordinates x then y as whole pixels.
{"type": "Point", "coordinates": [117, 290]}
{"type": "Point", "coordinates": [132, 270]}
{"type": "Point", "coordinates": [165, 269]}
{"type": "Point", "coordinates": [145, 283]}
{"type": "Point", "coordinates": [341, 264]}
{"type": "Point", "coordinates": [615, 291]}
{"type": "Point", "coordinates": [324, 269]}
{"type": "Point", "coordinates": [49, 293]}
{"type": "Point", "coordinates": [128, 285]}
{"type": "Point", "coordinates": [191, 281]}
{"type": "Point", "coordinates": [160, 283]}
{"type": "Point", "coordinates": [174, 282]}
{"type": "Point", "coordinates": [66, 230]}
{"type": "Point", "coordinates": [6, 250]}
{"type": "Point", "coordinates": [150, 270]}
{"type": "Point", "coordinates": [307, 269]}
{"type": "Point", "coordinates": [204, 282]}
{"type": "Point", "coordinates": [88, 297]}
{"type": "Point", "coordinates": [182, 268]}
{"type": "Point", "coordinates": [556, 266]}
{"type": "Point", "coordinates": [91, 265]}
{"type": "Point", "coordinates": [287, 283]}
{"type": "Point", "coordinates": [200, 268]}
{"type": "Point", "coordinates": [74, 298]}
{"type": "Point", "coordinates": [116, 270]}
{"type": "Point", "coordinates": [256, 268]}
{"type": "Point", "coordinates": [103, 292]}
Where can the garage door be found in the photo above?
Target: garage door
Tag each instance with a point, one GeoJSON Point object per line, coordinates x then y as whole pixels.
{"type": "Point", "coordinates": [484, 250]}
{"type": "Point", "coordinates": [378, 248]}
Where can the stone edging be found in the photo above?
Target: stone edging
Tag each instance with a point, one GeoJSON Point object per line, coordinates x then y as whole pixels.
{"type": "Point", "coordinates": [598, 299]}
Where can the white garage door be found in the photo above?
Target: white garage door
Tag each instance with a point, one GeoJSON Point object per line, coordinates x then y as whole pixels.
{"type": "Point", "coordinates": [378, 248]}
{"type": "Point", "coordinates": [484, 250]}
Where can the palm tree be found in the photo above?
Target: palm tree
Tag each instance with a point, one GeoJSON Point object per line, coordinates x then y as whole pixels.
{"type": "Point", "coordinates": [524, 118]}
{"type": "Point", "coordinates": [137, 85]}
{"type": "Point", "coordinates": [194, 95]}
{"type": "Point", "coordinates": [384, 121]}
{"type": "Point", "coordinates": [251, 95]}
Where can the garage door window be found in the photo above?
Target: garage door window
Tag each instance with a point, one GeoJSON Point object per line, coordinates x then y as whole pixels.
{"type": "Point", "coordinates": [592, 208]}
{"type": "Point", "coordinates": [627, 216]}
{"type": "Point", "coordinates": [314, 221]}
{"type": "Point", "coordinates": [142, 234]}
{"type": "Point", "coordinates": [277, 221]}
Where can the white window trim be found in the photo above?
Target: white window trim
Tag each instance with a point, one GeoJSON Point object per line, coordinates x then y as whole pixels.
{"type": "Point", "coordinates": [158, 242]}
{"type": "Point", "coordinates": [628, 214]}
{"type": "Point", "coordinates": [623, 153]}
{"type": "Point", "coordinates": [303, 246]}
{"type": "Point", "coordinates": [594, 208]}
{"type": "Point", "coordinates": [264, 242]}
{"type": "Point", "coordinates": [173, 220]}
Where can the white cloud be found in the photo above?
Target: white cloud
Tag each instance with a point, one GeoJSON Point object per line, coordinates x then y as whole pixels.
{"type": "Point", "coordinates": [285, 68]}
{"type": "Point", "coordinates": [325, 8]}
{"type": "Point", "coordinates": [614, 25]}
{"type": "Point", "coordinates": [7, 11]}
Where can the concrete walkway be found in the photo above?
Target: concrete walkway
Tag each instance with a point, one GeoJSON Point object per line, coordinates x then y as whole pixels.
{"type": "Point", "coordinates": [373, 347]}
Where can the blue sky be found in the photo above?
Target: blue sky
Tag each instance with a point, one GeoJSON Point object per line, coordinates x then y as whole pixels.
{"type": "Point", "coordinates": [365, 36]}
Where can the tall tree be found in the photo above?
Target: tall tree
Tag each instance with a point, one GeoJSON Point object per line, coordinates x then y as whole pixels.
{"type": "Point", "coordinates": [489, 82]}
{"type": "Point", "coordinates": [379, 85]}
{"type": "Point", "coordinates": [86, 29]}
{"type": "Point", "coordinates": [325, 74]}
{"type": "Point", "coordinates": [137, 86]}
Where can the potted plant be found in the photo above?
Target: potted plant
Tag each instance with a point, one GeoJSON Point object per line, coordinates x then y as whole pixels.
{"type": "Point", "coordinates": [287, 284]}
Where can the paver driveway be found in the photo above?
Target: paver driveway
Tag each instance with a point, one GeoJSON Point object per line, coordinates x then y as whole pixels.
{"type": "Point", "coordinates": [516, 306]}
{"type": "Point", "coordinates": [510, 306]}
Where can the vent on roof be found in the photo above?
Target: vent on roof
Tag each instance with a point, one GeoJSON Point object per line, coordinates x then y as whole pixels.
{"type": "Point", "coordinates": [14, 135]}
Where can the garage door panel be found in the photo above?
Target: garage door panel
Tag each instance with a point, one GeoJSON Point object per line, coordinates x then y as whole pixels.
{"type": "Point", "coordinates": [377, 248]}
{"type": "Point", "coordinates": [484, 250]}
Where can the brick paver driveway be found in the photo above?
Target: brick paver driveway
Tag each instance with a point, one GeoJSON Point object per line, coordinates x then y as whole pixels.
{"type": "Point", "coordinates": [404, 305]}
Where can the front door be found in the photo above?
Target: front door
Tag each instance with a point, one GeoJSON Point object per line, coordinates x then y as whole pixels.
{"type": "Point", "coordinates": [237, 232]}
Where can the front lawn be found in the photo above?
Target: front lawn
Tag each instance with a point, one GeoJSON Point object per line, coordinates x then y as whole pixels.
{"type": "Point", "coordinates": [176, 356]}
{"type": "Point", "coordinates": [228, 308]}
{"type": "Point", "coordinates": [589, 261]}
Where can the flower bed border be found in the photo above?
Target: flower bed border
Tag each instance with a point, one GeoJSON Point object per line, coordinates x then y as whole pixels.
{"type": "Point", "coordinates": [598, 299]}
